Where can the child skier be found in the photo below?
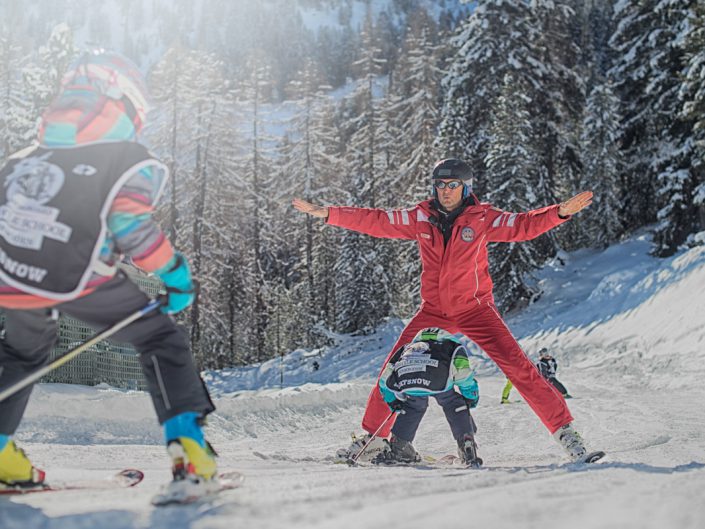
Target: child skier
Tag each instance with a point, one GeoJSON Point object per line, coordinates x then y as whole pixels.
{"type": "Point", "coordinates": [547, 366]}
{"type": "Point", "coordinates": [433, 364]}
{"type": "Point", "coordinates": [71, 206]}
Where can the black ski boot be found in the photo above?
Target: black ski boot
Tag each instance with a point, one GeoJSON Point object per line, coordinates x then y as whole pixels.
{"type": "Point", "coordinates": [397, 452]}
{"type": "Point", "coordinates": [467, 450]}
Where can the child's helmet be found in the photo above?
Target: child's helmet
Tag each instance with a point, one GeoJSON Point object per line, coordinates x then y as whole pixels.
{"type": "Point", "coordinates": [102, 96]}
{"type": "Point", "coordinates": [112, 75]}
{"type": "Point", "coordinates": [433, 334]}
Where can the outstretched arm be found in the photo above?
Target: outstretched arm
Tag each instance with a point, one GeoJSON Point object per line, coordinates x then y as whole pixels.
{"type": "Point", "coordinates": [514, 227]}
{"type": "Point", "coordinates": [393, 224]}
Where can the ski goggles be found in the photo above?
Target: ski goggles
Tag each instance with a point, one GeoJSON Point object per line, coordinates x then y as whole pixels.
{"type": "Point", "coordinates": [455, 184]}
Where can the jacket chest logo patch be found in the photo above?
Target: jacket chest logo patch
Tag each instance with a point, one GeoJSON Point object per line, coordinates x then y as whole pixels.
{"type": "Point", "coordinates": [467, 234]}
{"type": "Point", "coordinates": [425, 235]}
{"type": "Point", "coordinates": [25, 220]}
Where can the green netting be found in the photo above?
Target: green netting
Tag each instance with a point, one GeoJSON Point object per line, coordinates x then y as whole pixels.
{"type": "Point", "coordinates": [107, 362]}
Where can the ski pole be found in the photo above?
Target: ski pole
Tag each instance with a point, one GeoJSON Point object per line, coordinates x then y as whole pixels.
{"type": "Point", "coordinates": [353, 459]}
{"type": "Point", "coordinates": [39, 373]}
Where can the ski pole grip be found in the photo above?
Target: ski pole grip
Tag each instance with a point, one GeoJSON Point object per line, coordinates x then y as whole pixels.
{"type": "Point", "coordinates": [162, 300]}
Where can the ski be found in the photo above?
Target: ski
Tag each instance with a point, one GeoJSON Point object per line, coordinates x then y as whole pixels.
{"type": "Point", "coordinates": [446, 460]}
{"type": "Point", "coordinates": [451, 460]}
{"type": "Point", "coordinates": [123, 479]}
{"type": "Point", "coordinates": [185, 492]}
{"type": "Point", "coordinates": [426, 461]}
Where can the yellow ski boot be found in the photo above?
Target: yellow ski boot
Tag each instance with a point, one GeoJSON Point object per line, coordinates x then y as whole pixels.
{"type": "Point", "coordinates": [16, 471]}
{"type": "Point", "coordinates": [193, 464]}
{"type": "Point", "coordinates": [190, 459]}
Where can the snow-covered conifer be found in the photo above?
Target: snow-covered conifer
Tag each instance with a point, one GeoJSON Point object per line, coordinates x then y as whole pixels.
{"type": "Point", "coordinates": [514, 172]}
{"type": "Point", "coordinates": [496, 39]}
{"type": "Point", "coordinates": [601, 224]}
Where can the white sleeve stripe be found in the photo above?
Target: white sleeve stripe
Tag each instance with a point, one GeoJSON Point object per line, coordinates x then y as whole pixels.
{"type": "Point", "coordinates": [421, 216]}
{"type": "Point", "coordinates": [497, 221]}
{"type": "Point", "coordinates": [390, 214]}
{"type": "Point", "coordinates": [405, 217]}
{"type": "Point", "coordinates": [512, 217]}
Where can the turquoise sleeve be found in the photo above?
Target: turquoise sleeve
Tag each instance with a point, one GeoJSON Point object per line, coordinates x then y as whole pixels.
{"type": "Point", "coordinates": [387, 394]}
{"type": "Point", "coordinates": [470, 390]}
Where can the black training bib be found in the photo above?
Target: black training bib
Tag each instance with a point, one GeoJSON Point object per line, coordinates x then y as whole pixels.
{"type": "Point", "coordinates": [54, 204]}
{"type": "Point", "coordinates": [422, 365]}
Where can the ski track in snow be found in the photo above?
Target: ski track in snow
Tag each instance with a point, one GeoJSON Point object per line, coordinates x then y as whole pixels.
{"type": "Point", "coordinates": [628, 333]}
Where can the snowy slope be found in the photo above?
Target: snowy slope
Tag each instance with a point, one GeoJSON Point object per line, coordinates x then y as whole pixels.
{"type": "Point", "coordinates": [619, 310]}
{"type": "Point", "coordinates": [627, 330]}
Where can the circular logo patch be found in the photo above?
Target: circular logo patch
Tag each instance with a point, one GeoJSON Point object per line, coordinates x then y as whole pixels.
{"type": "Point", "coordinates": [34, 180]}
{"type": "Point", "coordinates": [468, 234]}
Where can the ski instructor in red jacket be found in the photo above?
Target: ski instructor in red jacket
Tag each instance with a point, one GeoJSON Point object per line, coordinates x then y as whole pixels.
{"type": "Point", "coordinates": [452, 231]}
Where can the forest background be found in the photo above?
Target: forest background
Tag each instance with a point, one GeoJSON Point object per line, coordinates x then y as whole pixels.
{"type": "Point", "coordinates": [351, 102]}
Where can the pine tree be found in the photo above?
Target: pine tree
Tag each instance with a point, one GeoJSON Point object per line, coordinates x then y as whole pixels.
{"type": "Point", "coordinates": [171, 85]}
{"type": "Point", "coordinates": [193, 135]}
{"type": "Point", "coordinates": [495, 39]}
{"type": "Point", "coordinates": [209, 210]}
{"type": "Point", "coordinates": [513, 168]}
{"type": "Point", "coordinates": [657, 181]}
{"type": "Point", "coordinates": [559, 98]}
{"type": "Point", "coordinates": [13, 122]}
{"type": "Point", "coordinates": [54, 58]}
{"type": "Point", "coordinates": [601, 223]}
{"type": "Point", "coordinates": [417, 113]}
{"type": "Point", "coordinates": [693, 95]}
{"type": "Point", "coordinates": [312, 163]}
{"type": "Point", "coordinates": [364, 286]}
{"type": "Point", "coordinates": [413, 104]}
{"type": "Point", "coordinates": [596, 55]}
{"type": "Point", "coordinates": [25, 96]}
{"type": "Point", "coordinates": [256, 207]}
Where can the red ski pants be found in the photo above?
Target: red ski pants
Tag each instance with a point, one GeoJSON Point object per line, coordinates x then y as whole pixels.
{"type": "Point", "coordinates": [483, 325]}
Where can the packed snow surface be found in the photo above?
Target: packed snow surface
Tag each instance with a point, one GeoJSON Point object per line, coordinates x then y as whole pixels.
{"type": "Point", "coordinates": [627, 330]}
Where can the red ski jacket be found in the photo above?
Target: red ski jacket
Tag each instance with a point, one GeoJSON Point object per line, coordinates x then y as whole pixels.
{"type": "Point", "coordinates": [454, 277]}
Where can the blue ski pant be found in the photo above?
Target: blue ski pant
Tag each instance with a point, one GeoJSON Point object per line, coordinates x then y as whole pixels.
{"type": "Point", "coordinates": [454, 406]}
{"type": "Point", "coordinates": [164, 353]}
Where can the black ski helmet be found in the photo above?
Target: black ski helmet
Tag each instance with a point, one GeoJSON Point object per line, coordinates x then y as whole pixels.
{"type": "Point", "coordinates": [453, 168]}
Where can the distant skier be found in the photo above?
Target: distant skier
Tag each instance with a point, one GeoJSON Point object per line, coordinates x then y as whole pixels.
{"type": "Point", "coordinates": [506, 391]}
{"type": "Point", "coordinates": [548, 366]}
{"type": "Point", "coordinates": [432, 365]}
{"type": "Point", "coordinates": [452, 231]}
{"type": "Point", "coordinates": [69, 208]}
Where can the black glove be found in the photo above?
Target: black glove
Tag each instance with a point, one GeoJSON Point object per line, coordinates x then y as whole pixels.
{"type": "Point", "coordinates": [396, 405]}
{"type": "Point", "coordinates": [471, 403]}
